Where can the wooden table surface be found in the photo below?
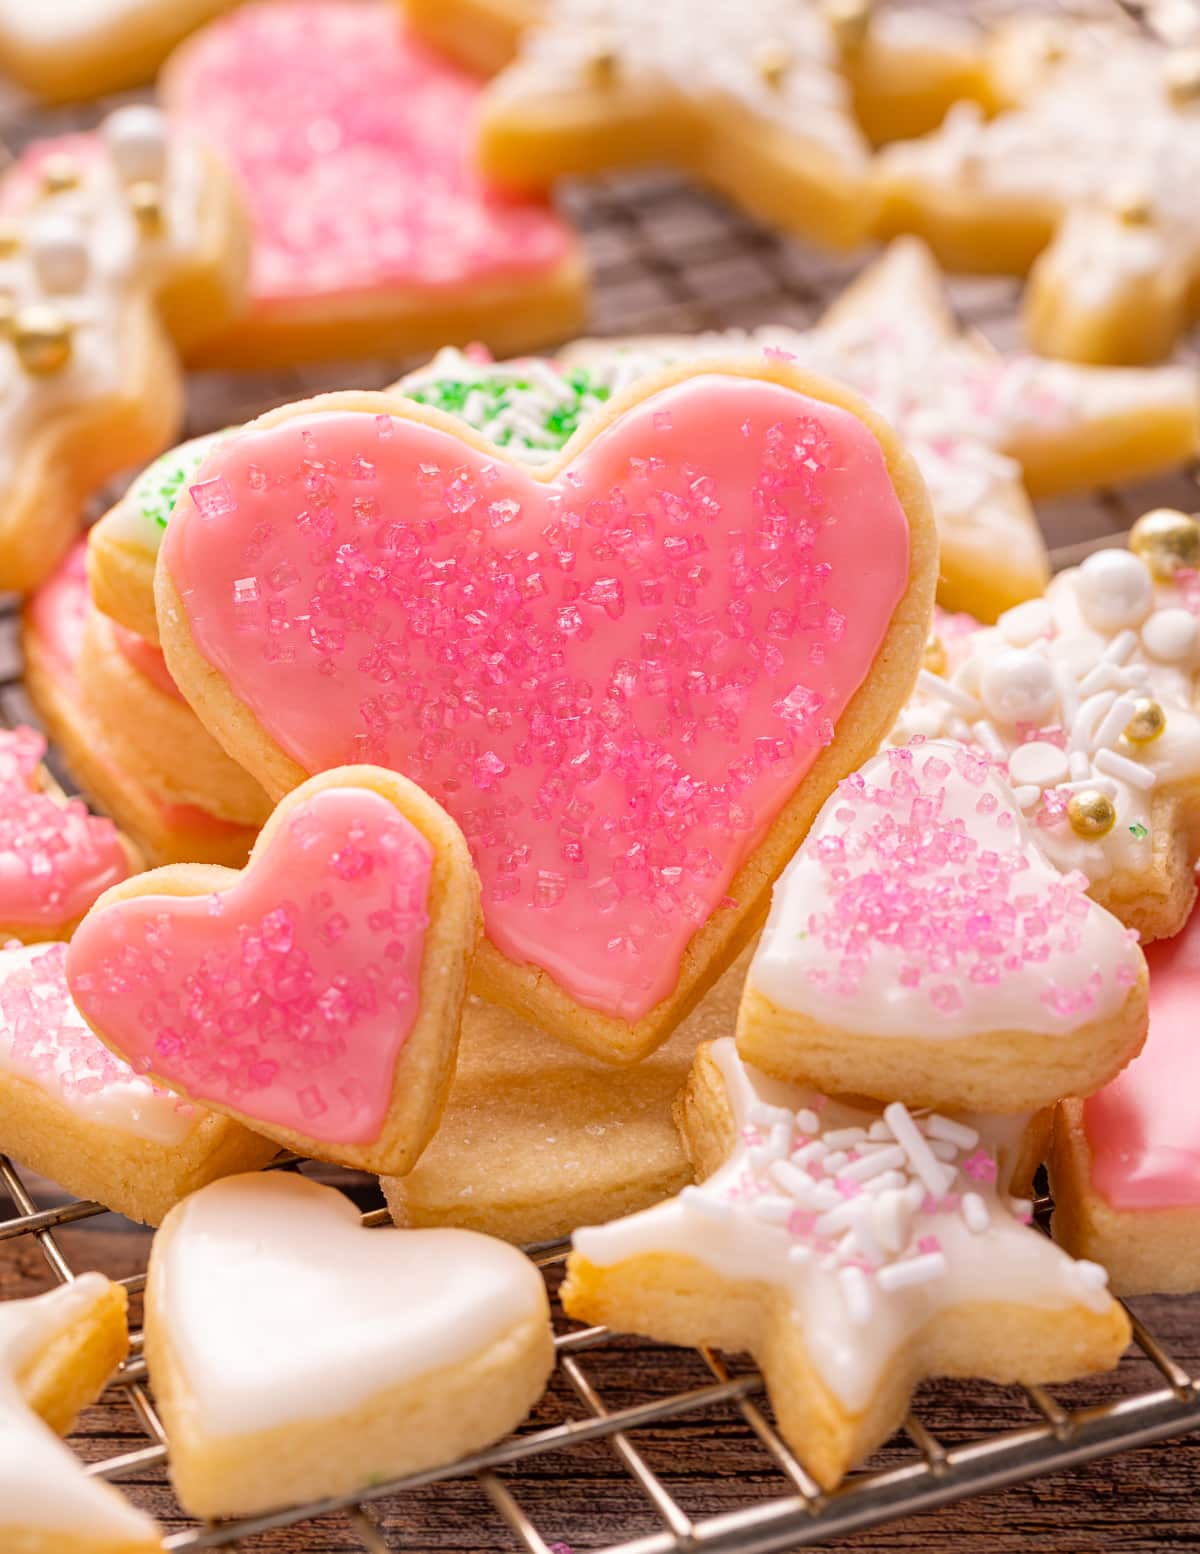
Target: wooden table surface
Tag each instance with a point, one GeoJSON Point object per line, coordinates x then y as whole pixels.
{"type": "Point", "coordinates": [666, 257]}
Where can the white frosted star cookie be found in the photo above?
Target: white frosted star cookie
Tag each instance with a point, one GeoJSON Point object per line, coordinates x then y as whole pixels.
{"type": "Point", "coordinates": [922, 948]}
{"type": "Point", "coordinates": [853, 1251]}
{"type": "Point", "coordinates": [295, 1354]}
{"type": "Point", "coordinates": [57, 1351]}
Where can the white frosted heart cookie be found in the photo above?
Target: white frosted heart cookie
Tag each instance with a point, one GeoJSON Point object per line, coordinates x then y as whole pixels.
{"type": "Point", "coordinates": [57, 1351]}
{"type": "Point", "coordinates": [922, 948]}
{"type": "Point", "coordinates": [853, 1251]}
{"type": "Point", "coordinates": [314, 996]}
{"type": "Point", "coordinates": [1088, 697]}
{"type": "Point", "coordinates": [295, 1354]}
{"type": "Point", "coordinates": [73, 1111]}
{"type": "Point", "coordinates": [115, 249]}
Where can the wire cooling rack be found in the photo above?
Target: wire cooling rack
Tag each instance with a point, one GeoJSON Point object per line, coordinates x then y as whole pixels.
{"type": "Point", "coordinates": [636, 1447]}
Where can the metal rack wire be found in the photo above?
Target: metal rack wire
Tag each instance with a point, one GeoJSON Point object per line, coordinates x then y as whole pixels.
{"type": "Point", "coordinates": [666, 258]}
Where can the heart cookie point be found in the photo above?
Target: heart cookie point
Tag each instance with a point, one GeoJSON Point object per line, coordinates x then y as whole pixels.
{"type": "Point", "coordinates": [615, 678]}
{"type": "Point", "coordinates": [285, 995]}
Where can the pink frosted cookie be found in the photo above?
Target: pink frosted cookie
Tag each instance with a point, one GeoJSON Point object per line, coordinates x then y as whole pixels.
{"type": "Point", "coordinates": [853, 1250]}
{"type": "Point", "coordinates": [74, 1112]}
{"type": "Point", "coordinates": [316, 995]}
{"type": "Point", "coordinates": [53, 632]}
{"type": "Point", "coordinates": [922, 948]}
{"type": "Point", "coordinates": [373, 234]}
{"type": "Point", "coordinates": [115, 249]}
{"type": "Point", "coordinates": [631, 677]}
{"type": "Point", "coordinates": [55, 858]}
{"type": "Point", "coordinates": [1126, 1163]}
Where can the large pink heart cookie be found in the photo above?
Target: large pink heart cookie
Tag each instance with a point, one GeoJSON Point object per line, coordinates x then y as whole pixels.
{"type": "Point", "coordinates": [373, 231]}
{"type": "Point", "coordinates": [631, 677]}
{"type": "Point", "coordinates": [316, 994]}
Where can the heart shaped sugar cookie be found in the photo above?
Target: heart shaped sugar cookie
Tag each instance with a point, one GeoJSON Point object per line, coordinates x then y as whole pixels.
{"type": "Point", "coordinates": [297, 1355]}
{"type": "Point", "coordinates": [315, 995]}
{"type": "Point", "coordinates": [631, 676]}
{"type": "Point", "coordinates": [922, 948]}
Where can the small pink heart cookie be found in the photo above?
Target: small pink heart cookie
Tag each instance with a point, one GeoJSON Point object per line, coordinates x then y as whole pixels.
{"type": "Point", "coordinates": [374, 234]}
{"type": "Point", "coordinates": [632, 676]}
{"type": "Point", "coordinates": [314, 995]}
{"type": "Point", "coordinates": [922, 948]}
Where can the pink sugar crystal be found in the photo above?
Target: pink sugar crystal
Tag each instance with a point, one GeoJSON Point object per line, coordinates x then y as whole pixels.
{"type": "Point", "coordinates": [981, 1166]}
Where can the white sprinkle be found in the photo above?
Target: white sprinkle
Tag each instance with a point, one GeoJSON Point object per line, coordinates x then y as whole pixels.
{"type": "Point", "coordinates": [808, 1153]}
{"type": "Point", "coordinates": [1068, 694]}
{"type": "Point", "coordinates": [834, 1161]}
{"type": "Point", "coordinates": [875, 1163]}
{"type": "Point", "coordinates": [891, 1217]}
{"type": "Point", "coordinates": [839, 1218]}
{"type": "Point", "coordinates": [879, 1131]}
{"type": "Point", "coordinates": [864, 1233]}
{"type": "Point", "coordinates": [934, 1175]}
{"type": "Point", "coordinates": [1099, 784]}
{"type": "Point", "coordinates": [1091, 1275]}
{"type": "Point", "coordinates": [1021, 1207]}
{"type": "Point", "coordinates": [1038, 764]}
{"type": "Point", "coordinates": [856, 1293]}
{"type": "Point", "coordinates": [1102, 678]}
{"type": "Point", "coordinates": [772, 1211]}
{"type": "Point", "coordinates": [796, 1183]}
{"type": "Point", "coordinates": [939, 1127]}
{"type": "Point", "coordinates": [942, 1149]}
{"type": "Point", "coordinates": [975, 1213]}
{"type": "Point", "coordinates": [1119, 649]}
{"type": "Point", "coordinates": [807, 1122]}
{"type": "Point", "coordinates": [912, 1270]}
{"type": "Point", "coordinates": [884, 1183]}
{"type": "Point", "coordinates": [984, 733]}
{"type": "Point", "coordinates": [826, 1196]}
{"type": "Point", "coordinates": [1085, 720]}
{"type": "Point", "coordinates": [1026, 795]}
{"type": "Point", "coordinates": [704, 1203]}
{"type": "Point", "coordinates": [1112, 724]}
{"type": "Point", "coordinates": [1128, 771]}
{"type": "Point", "coordinates": [1078, 764]}
{"type": "Point", "coordinates": [764, 1116]}
{"type": "Point", "coordinates": [780, 1141]}
{"type": "Point", "coordinates": [799, 1254]}
{"type": "Point", "coordinates": [933, 685]}
{"type": "Point", "coordinates": [843, 1138]}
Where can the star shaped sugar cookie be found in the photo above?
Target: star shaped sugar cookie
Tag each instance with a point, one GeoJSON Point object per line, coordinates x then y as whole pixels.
{"type": "Point", "coordinates": [985, 429]}
{"type": "Point", "coordinates": [1088, 697]}
{"type": "Point", "coordinates": [1087, 180]}
{"type": "Point", "coordinates": [57, 1351]}
{"type": "Point", "coordinates": [751, 99]}
{"type": "Point", "coordinates": [852, 1251]}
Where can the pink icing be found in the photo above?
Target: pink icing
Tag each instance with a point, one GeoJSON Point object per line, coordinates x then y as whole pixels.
{"type": "Point", "coordinates": [55, 857]}
{"type": "Point", "coordinates": [613, 682]}
{"type": "Point", "coordinates": [353, 142]}
{"type": "Point", "coordinates": [288, 996]}
{"type": "Point", "coordinates": [1142, 1129]}
{"type": "Point", "coordinates": [57, 616]}
{"type": "Point", "coordinates": [146, 659]}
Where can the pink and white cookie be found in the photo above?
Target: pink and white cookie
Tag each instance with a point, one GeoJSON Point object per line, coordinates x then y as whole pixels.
{"type": "Point", "coordinates": [115, 249]}
{"type": "Point", "coordinates": [53, 631]}
{"type": "Point", "coordinates": [296, 1354]}
{"type": "Point", "coordinates": [1125, 1166]}
{"type": "Point", "coordinates": [853, 1250]}
{"type": "Point", "coordinates": [73, 1111]}
{"type": "Point", "coordinates": [57, 1353]}
{"type": "Point", "coordinates": [55, 857]}
{"type": "Point", "coordinates": [316, 995]}
{"type": "Point", "coordinates": [373, 234]}
{"type": "Point", "coordinates": [922, 948]}
{"type": "Point", "coordinates": [631, 675]}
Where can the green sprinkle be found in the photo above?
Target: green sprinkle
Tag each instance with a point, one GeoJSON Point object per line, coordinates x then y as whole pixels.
{"type": "Point", "coordinates": [157, 488]}
{"type": "Point", "coordinates": [1138, 830]}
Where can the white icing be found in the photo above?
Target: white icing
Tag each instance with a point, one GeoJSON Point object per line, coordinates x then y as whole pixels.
{"type": "Point", "coordinates": [131, 521]}
{"type": "Point", "coordinates": [1098, 674]}
{"type": "Point", "coordinates": [44, 1039]}
{"type": "Point", "coordinates": [119, 266]}
{"type": "Point", "coordinates": [42, 1484]}
{"type": "Point", "coordinates": [863, 1288]}
{"type": "Point", "coordinates": [282, 1307]}
{"type": "Point", "coordinates": [935, 930]}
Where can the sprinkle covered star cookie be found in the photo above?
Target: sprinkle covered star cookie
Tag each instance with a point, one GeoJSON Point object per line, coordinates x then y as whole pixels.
{"type": "Point", "coordinates": [373, 234]}
{"type": "Point", "coordinates": [1095, 205]}
{"type": "Point", "coordinates": [57, 1351]}
{"type": "Point", "coordinates": [853, 1252]}
{"type": "Point", "coordinates": [1125, 1166]}
{"type": "Point", "coordinates": [73, 1111]}
{"type": "Point", "coordinates": [1087, 696]}
{"type": "Point", "coordinates": [54, 628]}
{"type": "Point", "coordinates": [921, 948]}
{"type": "Point", "coordinates": [114, 249]}
{"type": "Point", "coordinates": [296, 1355]}
{"type": "Point", "coordinates": [316, 995]}
{"type": "Point", "coordinates": [631, 675]}
{"type": "Point", "coordinates": [984, 429]}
